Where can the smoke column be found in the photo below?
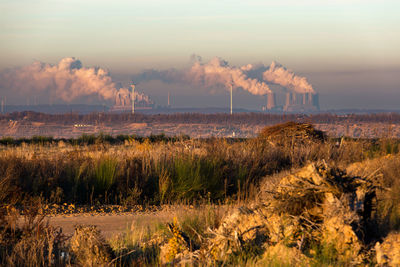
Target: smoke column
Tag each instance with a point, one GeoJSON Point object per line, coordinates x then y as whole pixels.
{"type": "Point", "coordinates": [253, 78]}
{"type": "Point", "coordinates": [67, 80]}
{"type": "Point", "coordinates": [278, 74]}
{"type": "Point", "coordinates": [217, 72]}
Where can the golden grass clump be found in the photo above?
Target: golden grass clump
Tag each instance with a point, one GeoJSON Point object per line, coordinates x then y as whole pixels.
{"type": "Point", "coordinates": [89, 247]}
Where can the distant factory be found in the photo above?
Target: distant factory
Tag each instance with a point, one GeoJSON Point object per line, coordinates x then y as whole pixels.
{"type": "Point", "coordinates": [295, 102]}
{"type": "Point", "coordinates": [126, 101]}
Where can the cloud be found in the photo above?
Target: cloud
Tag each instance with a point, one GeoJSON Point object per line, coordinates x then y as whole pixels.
{"type": "Point", "coordinates": [67, 80]}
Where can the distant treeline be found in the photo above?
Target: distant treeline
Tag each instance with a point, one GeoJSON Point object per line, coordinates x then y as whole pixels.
{"type": "Point", "coordinates": [220, 118]}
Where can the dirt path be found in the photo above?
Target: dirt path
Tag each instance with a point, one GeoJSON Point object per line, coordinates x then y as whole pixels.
{"type": "Point", "coordinates": [110, 224]}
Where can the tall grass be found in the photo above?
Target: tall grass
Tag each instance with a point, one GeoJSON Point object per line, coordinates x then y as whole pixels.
{"type": "Point", "coordinates": [104, 176]}
{"type": "Point", "coordinates": [32, 242]}
{"type": "Point", "coordinates": [161, 170]}
{"type": "Point", "coordinates": [194, 177]}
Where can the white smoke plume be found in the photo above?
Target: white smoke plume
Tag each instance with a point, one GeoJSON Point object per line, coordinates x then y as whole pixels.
{"type": "Point", "coordinates": [253, 78]}
{"type": "Point", "coordinates": [67, 80]}
{"type": "Point", "coordinates": [215, 73]}
{"type": "Point", "coordinates": [218, 72]}
{"type": "Point", "coordinates": [278, 74]}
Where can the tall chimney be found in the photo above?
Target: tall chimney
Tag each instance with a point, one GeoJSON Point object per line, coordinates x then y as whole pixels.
{"type": "Point", "coordinates": [133, 98]}
{"type": "Point", "coordinates": [231, 98]}
{"type": "Point", "coordinates": [271, 100]}
{"type": "Point", "coordinates": [168, 99]}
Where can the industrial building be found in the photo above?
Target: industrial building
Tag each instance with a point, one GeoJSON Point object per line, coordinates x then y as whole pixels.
{"type": "Point", "coordinates": [294, 102]}
{"type": "Point", "coordinates": [126, 101]}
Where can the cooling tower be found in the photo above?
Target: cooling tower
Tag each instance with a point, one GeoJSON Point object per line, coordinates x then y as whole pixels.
{"type": "Point", "coordinates": [305, 98]}
{"type": "Point", "coordinates": [271, 100]}
{"type": "Point", "coordinates": [310, 99]}
{"type": "Point", "coordinates": [315, 100]}
{"type": "Point", "coordinates": [294, 101]}
{"type": "Point", "coordinates": [122, 99]}
{"type": "Point", "coordinates": [289, 99]}
{"type": "Point", "coordinates": [117, 100]}
{"type": "Point", "coordinates": [133, 98]}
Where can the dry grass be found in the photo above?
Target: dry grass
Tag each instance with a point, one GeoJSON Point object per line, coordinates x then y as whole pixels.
{"type": "Point", "coordinates": [31, 243]}
{"type": "Point", "coordinates": [184, 170]}
{"type": "Point", "coordinates": [141, 173]}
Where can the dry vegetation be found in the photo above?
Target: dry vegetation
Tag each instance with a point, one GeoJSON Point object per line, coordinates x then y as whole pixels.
{"type": "Point", "coordinates": [243, 125]}
{"type": "Point", "coordinates": [42, 176]}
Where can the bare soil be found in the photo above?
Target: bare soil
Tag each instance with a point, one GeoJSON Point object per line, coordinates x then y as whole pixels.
{"type": "Point", "coordinates": [109, 223]}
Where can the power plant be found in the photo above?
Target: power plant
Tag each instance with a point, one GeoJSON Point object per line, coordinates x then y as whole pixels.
{"type": "Point", "coordinates": [132, 101]}
{"type": "Point", "coordinates": [126, 101]}
{"type": "Point", "coordinates": [294, 102]}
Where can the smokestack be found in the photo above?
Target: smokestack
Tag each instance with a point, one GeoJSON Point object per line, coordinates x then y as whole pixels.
{"type": "Point", "coordinates": [231, 99]}
{"type": "Point", "coordinates": [133, 98]}
{"type": "Point", "coordinates": [168, 99]}
{"type": "Point", "coordinates": [271, 100]}
{"type": "Point", "coordinates": [315, 100]}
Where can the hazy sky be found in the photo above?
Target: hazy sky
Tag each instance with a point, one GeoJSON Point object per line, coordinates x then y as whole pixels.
{"type": "Point", "coordinates": [348, 49]}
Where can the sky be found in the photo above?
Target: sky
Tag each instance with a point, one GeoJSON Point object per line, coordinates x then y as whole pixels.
{"type": "Point", "coordinates": [348, 50]}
